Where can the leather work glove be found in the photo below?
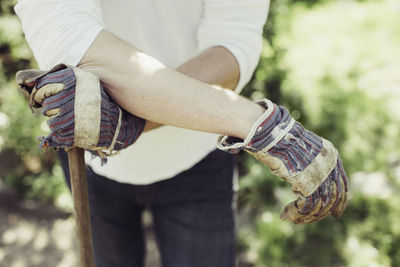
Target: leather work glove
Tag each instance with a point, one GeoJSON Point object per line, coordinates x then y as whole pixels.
{"type": "Point", "coordinates": [308, 162]}
{"type": "Point", "coordinates": [80, 112]}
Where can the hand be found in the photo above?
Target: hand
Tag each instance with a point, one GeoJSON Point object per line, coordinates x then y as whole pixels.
{"type": "Point", "coordinates": [310, 163]}
{"type": "Point", "coordinates": [79, 110]}
{"type": "Point", "coordinates": [329, 198]}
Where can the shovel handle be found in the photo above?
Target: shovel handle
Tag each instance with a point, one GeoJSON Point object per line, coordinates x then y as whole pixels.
{"type": "Point", "coordinates": [77, 172]}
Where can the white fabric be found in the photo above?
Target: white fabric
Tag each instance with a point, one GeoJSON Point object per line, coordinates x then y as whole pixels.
{"type": "Point", "coordinates": [173, 31]}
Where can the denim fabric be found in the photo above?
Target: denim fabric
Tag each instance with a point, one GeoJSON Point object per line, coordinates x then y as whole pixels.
{"type": "Point", "coordinates": [192, 214]}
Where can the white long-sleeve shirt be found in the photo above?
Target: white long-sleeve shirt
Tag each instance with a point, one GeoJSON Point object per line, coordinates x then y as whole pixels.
{"type": "Point", "coordinates": [173, 31]}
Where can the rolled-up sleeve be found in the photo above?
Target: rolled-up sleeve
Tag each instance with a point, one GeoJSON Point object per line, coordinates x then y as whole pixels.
{"type": "Point", "coordinates": [236, 25]}
{"type": "Point", "coordinates": [59, 31]}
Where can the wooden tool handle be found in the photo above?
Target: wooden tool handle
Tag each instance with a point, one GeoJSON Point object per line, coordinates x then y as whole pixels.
{"type": "Point", "coordinates": [77, 172]}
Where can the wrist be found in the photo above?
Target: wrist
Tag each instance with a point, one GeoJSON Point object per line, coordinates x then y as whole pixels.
{"type": "Point", "coordinates": [249, 120]}
{"type": "Point", "coordinates": [256, 127]}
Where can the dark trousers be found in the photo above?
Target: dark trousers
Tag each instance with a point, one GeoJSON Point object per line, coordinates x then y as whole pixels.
{"type": "Point", "coordinates": [192, 215]}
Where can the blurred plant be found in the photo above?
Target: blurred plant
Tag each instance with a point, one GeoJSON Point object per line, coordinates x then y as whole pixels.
{"type": "Point", "coordinates": [22, 165]}
{"type": "Point", "coordinates": [335, 65]}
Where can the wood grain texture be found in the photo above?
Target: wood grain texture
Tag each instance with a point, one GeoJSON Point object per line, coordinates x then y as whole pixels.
{"type": "Point", "coordinates": [81, 204]}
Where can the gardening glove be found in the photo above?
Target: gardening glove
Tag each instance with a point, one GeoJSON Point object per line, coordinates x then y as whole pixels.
{"type": "Point", "coordinates": [308, 162]}
{"type": "Point", "coordinates": [80, 112]}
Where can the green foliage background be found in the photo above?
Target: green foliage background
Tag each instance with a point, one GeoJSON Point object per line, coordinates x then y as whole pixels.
{"type": "Point", "coordinates": [335, 64]}
{"type": "Point", "coordinates": [35, 175]}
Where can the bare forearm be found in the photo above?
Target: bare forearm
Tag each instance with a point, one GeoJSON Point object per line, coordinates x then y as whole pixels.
{"type": "Point", "coordinates": [215, 65]}
{"type": "Point", "coordinates": [146, 88]}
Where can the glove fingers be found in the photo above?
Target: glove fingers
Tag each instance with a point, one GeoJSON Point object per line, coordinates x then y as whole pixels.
{"type": "Point", "coordinates": [338, 210]}
{"type": "Point", "coordinates": [343, 174]}
{"type": "Point", "coordinates": [52, 112]}
{"type": "Point", "coordinates": [313, 219]}
{"type": "Point", "coordinates": [310, 217]}
{"type": "Point", "coordinates": [324, 209]}
{"type": "Point", "coordinates": [52, 83]}
{"type": "Point", "coordinates": [62, 99]}
{"type": "Point", "coordinates": [341, 205]}
{"type": "Point", "coordinates": [332, 195]}
{"type": "Point", "coordinates": [292, 210]}
{"type": "Point", "coordinates": [330, 192]}
{"type": "Point", "coordinates": [314, 215]}
{"type": "Point", "coordinates": [61, 122]}
{"type": "Point", "coordinates": [28, 78]}
{"type": "Point", "coordinates": [47, 91]}
{"type": "Point", "coordinates": [318, 215]}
